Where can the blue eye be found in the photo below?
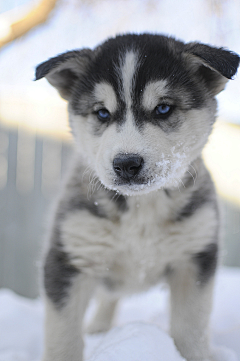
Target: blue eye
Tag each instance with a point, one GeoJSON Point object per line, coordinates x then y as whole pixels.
{"type": "Point", "coordinates": [163, 109]}
{"type": "Point", "coordinates": [103, 114]}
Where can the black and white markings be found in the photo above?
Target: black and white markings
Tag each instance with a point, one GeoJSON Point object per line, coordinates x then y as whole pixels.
{"type": "Point", "coordinates": [197, 200]}
{"type": "Point", "coordinates": [153, 92]}
{"type": "Point", "coordinates": [206, 262]}
{"type": "Point", "coordinates": [58, 275]}
{"type": "Point", "coordinates": [105, 97]}
{"type": "Point", "coordinates": [127, 103]}
{"type": "Point", "coordinates": [141, 108]}
{"type": "Point", "coordinates": [128, 72]}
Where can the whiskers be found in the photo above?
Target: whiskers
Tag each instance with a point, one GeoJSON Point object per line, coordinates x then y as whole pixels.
{"type": "Point", "coordinates": [93, 181]}
{"type": "Point", "coordinates": [86, 171]}
{"type": "Point", "coordinates": [193, 177]}
{"type": "Point", "coordinates": [116, 196]}
{"type": "Point", "coordinates": [181, 181]}
{"type": "Point", "coordinates": [193, 174]}
{"type": "Point", "coordinates": [94, 184]}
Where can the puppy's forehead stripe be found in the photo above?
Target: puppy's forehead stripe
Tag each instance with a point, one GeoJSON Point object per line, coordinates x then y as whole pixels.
{"type": "Point", "coordinates": [105, 94]}
{"type": "Point", "coordinates": [152, 93]}
{"type": "Point", "coordinates": [128, 70]}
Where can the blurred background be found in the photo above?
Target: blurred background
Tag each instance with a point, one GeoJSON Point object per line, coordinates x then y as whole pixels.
{"type": "Point", "coordinates": [35, 141]}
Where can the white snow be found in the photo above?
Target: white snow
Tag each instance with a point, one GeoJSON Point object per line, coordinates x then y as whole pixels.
{"type": "Point", "coordinates": [136, 341]}
{"type": "Point", "coordinates": [140, 331]}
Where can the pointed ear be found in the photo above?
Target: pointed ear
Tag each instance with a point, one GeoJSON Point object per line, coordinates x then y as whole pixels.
{"type": "Point", "coordinates": [215, 65]}
{"type": "Point", "coordinates": [63, 70]}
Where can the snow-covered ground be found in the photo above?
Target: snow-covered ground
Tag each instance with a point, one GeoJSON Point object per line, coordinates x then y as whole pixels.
{"type": "Point", "coordinates": [141, 326]}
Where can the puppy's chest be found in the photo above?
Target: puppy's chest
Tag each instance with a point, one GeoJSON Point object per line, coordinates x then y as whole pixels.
{"type": "Point", "coordinates": [142, 247]}
{"type": "Point", "coordinates": [139, 259]}
{"type": "Point", "coordinates": [132, 252]}
{"type": "Point", "coordinates": [129, 250]}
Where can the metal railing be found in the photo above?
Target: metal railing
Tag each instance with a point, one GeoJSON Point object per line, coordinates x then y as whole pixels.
{"type": "Point", "coordinates": [31, 167]}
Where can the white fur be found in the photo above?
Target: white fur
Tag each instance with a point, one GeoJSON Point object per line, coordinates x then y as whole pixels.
{"type": "Point", "coordinates": [105, 94]}
{"type": "Point", "coordinates": [66, 324]}
{"type": "Point", "coordinates": [166, 156]}
{"type": "Point", "coordinates": [190, 312]}
{"type": "Point", "coordinates": [153, 94]}
{"type": "Point", "coordinates": [135, 249]}
{"type": "Point", "coordinates": [128, 69]}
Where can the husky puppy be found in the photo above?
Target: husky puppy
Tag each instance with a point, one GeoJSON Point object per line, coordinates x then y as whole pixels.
{"type": "Point", "coordinates": [138, 206]}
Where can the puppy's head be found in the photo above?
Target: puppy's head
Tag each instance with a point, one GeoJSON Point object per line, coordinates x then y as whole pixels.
{"type": "Point", "coordinates": [141, 106]}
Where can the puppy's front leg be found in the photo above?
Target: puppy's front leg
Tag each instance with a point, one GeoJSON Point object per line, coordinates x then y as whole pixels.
{"type": "Point", "coordinates": [191, 301]}
{"type": "Point", "coordinates": [103, 318]}
{"type": "Point", "coordinates": [67, 294]}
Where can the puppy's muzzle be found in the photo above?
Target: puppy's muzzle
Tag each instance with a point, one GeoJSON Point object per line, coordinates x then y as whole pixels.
{"type": "Point", "coordinates": [127, 166]}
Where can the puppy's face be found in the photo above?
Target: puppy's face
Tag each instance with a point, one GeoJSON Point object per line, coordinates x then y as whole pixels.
{"type": "Point", "coordinates": [140, 132]}
{"type": "Point", "coordinates": [141, 109]}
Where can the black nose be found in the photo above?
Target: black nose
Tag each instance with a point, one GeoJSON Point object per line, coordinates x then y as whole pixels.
{"type": "Point", "coordinates": [127, 165]}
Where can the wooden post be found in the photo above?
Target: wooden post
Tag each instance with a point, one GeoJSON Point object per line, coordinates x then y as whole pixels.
{"type": "Point", "coordinates": [36, 16]}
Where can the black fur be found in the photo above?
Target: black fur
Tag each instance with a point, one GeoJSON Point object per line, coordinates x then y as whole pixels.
{"type": "Point", "coordinates": [44, 68]}
{"type": "Point", "coordinates": [119, 200]}
{"type": "Point", "coordinates": [58, 275]}
{"type": "Point", "coordinates": [160, 57]}
{"type": "Point", "coordinates": [167, 192]}
{"type": "Point", "coordinates": [92, 205]}
{"type": "Point", "coordinates": [171, 123]}
{"type": "Point", "coordinates": [63, 71]}
{"type": "Point", "coordinates": [223, 61]}
{"type": "Point", "coordinates": [196, 201]}
{"type": "Point", "coordinates": [206, 262]}
{"type": "Point", "coordinates": [154, 54]}
{"type": "Point", "coordinates": [58, 272]}
{"type": "Point", "coordinates": [79, 203]}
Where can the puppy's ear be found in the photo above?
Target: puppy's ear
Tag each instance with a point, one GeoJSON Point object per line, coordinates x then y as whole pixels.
{"type": "Point", "coordinates": [215, 65]}
{"type": "Point", "coordinates": [63, 70]}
